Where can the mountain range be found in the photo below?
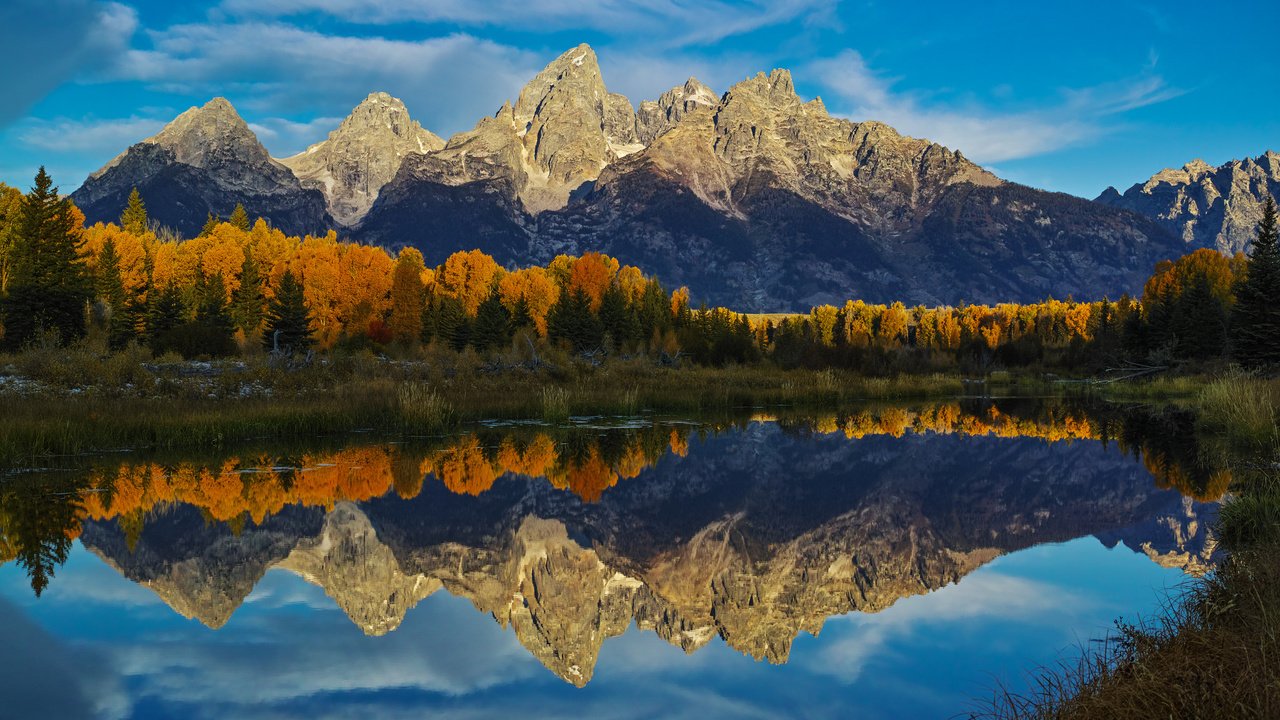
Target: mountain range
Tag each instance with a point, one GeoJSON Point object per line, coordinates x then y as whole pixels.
{"type": "Point", "coordinates": [752, 537]}
{"type": "Point", "coordinates": [753, 198]}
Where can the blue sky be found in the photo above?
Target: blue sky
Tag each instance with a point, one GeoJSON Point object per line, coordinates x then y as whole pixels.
{"type": "Point", "coordinates": [1064, 96]}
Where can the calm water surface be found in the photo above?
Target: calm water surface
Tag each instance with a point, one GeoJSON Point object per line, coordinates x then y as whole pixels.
{"type": "Point", "coordinates": [891, 562]}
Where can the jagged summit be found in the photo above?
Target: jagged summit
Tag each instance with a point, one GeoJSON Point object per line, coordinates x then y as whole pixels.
{"type": "Point", "coordinates": [207, 160]}
{"type": "Point", "coordinates": [658, 116]}
{"type": "Point", "coordinates": [564, 127]}
{"type": "Point", "coordinates": [1214, 207]}
{"type": "Point", "coordinates": [362, 155]}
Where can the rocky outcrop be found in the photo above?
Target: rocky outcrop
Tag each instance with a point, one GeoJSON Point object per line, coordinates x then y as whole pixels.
{"type": "Point", "coordinates": [362, 155]}
{"type": "Point", "coordinates": [206, 161]}
{"type": "Point", "coordinates": [358, 571]}
{"type": "Point", "coordinates": [655, 117]}
{"type": "Point", "coordinates": [767, 202]}
{"type": "Point", "coordinates": [563, 129]}
{"type": "Point", "coordinates": [1206, 206]}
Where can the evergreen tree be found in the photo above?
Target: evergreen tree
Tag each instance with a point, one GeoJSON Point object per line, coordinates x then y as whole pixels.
{"type": "Point", "coordinates": [110, 289]}
{"type": "Point", "coordinates": [214, 328]}
{"type": "Point", "coordinates": [134, 217]}
{"type": "Point", "coordinates": [210, 223]}
{"type": "Point", "coordinates": [247, 302]}
{"type": "Point", "coordinates": [571, 320]}
{"type": "Point", "coordinates": [165, 316]}
{"type": "Point", "coordinates": [1255, 320]}
{"type": "Point", "coordinates": [49, 286]}
{"type": "Point", "coordinates": [521, 318]}
{"type": "Point", "coordinates": [446, 320]}
{"type": "Point", "coordinates": [654, 311]}
{"type": "Point", "coordinates": [620, 322]}
{"type": "Point", "coordinates": [239, 218]}
{"type": "Point", "coordinates": [288, 319]}
{"type": "Point", "coordinates": [1200, 323]}
{"type": "Point", "coordinates": [492, 329]}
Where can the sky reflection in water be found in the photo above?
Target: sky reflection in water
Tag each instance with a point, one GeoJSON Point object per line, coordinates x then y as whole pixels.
{"type": "Point", "coordinates": [98, 644]}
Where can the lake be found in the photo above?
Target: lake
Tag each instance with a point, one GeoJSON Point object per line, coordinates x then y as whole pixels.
{"type": "Point", "coordinates": [883, 562]}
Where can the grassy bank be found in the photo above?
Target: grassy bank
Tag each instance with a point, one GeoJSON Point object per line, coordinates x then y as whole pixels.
{"type": "Point", "coordinates": [71, 405]}
{"type": "Point", "coordinates": [1215, 650]}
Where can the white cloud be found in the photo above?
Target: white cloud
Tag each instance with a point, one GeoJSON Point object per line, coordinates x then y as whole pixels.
{"type": "Point", "coordinates": [281, 70]}
{"type": "Point", "coordinates": [88, 135]}
{"type": "Point", "coordinates": [286, 137]}
{"type": "Point", "coordinates": [672, 22]}
{"type": "Point", "coordinates": [980, 595]}
{"type": "Point", "coordinates": [984, 134]}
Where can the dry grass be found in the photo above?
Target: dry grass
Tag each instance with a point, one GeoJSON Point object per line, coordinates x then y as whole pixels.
{"type": "Point", "coordinates": [1215, 653]}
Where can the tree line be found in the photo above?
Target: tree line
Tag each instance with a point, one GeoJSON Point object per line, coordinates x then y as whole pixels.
{"type": "Point", "coordinates": [243, 284]}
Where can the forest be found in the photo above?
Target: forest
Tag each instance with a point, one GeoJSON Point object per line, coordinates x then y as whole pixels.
{"type": "Point", "coordinates": [243, 288]}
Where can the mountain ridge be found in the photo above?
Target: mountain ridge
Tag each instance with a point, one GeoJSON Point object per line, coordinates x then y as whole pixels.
{"type": "Point", "coordinates": [1207, 206]}
{"type": "Point", "coordinates": [753, 198]}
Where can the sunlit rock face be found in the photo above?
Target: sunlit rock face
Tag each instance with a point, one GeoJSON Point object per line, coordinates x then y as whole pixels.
{"type": "Point", "coordinates": [205, 162]}
{"type": "Point", "coordinates": [362, 155]}
{"type": "Point", "coordinates": [754, 198]}
{"type": "Point", "coordinates": [1206, 206]}
{"type": "Point", "coordinates": [655, 117]}
{"type": "Point", "coordinates": [752, 536]}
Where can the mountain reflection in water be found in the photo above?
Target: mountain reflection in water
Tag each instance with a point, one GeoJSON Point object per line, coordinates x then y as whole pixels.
{"type": "Point", "coordinates": [752, 530]}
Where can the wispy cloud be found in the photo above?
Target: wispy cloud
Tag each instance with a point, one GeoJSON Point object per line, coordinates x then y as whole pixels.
{"type": "Point", "coordinates": [287, 137]}
{"type": "Point", "coordinates": [87, 135]}
{"type": "Point", "coordinates": [672, 22]}
{"type": "Point", "coordinates": [983, 595]}
{"type": "Point", "coordinates": [985, 134]}
{"type": "Point", "coordinates": [282, 70]}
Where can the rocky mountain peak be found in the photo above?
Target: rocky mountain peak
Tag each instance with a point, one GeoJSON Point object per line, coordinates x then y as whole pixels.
{"type": "Point", "coordinates": [564, 127]}
{"type": "Point", "coordinates": [575, 71]}
{"type": "Point", "coordinates": [206, 161]}
{"type": "Point", "coordinates": [1214, 207]}
{"type": "Point", "coordinates": [658, 116]}
{"type": "Point", "coordinates": [362, 155]}
{"type": "Point", "coordinates": [206, 135]}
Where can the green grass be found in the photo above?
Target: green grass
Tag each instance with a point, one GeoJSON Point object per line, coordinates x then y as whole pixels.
{"type": "Point", "coordinates": [1242, 409]}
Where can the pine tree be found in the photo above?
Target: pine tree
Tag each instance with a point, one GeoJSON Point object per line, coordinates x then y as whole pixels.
{"type": "Point", "coordinates": [1255, 320]}
{"type": "Point", "coordinates": [618, 319]}
{"type": "Point", "coordinates": [49, 286]}
{"type": "Point", "coordinates": [492, 327]}
{"type": "Point", "coordinates": [288, 319]}
{"type": "Point", "coordinates": [213, 325]}
{"type": "Point", "coordinates": [446, 320]}
{"type": "Point", "coordinates": [134, 217]}
{"type": "Point", "coordinates": [239, 218]}
{"type": "Point", "coordinates": [210, 224]}
{"type": "Point", "coordinates": [521, 318]}
{"type": "Point", "coordinates": [571, 320]}
{"type": "Point", "coordinates": [247, 302]}
{"type": "Point", "coordinates": [110, 289]}
{"type": "Point", "coordinates": [1200, 323]}
{"type": "Point", "coordinates": [165, 315]}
